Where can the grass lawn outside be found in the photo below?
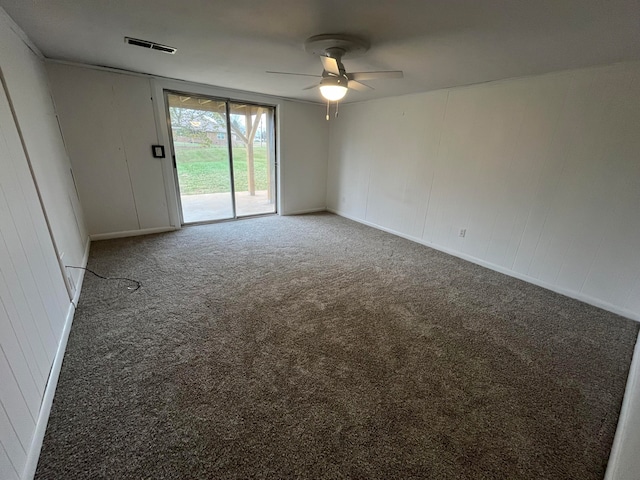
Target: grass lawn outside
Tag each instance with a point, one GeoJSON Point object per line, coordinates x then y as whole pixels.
{"type": "Point", "coordinates": [206, 169]}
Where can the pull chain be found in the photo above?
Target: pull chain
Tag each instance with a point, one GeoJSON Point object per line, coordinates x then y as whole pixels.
{"type": "Point", "coordinates": [329, 111]}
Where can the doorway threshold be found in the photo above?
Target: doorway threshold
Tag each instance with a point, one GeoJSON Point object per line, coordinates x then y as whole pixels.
{"type": "Point", "coordinates": [225, 220]}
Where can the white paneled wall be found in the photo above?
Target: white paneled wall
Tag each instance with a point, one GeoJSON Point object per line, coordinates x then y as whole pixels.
{"type": "Point", "coordinates": [27, 81]}
{"type": "Point", "coordinates": [32, 296]}
{"type": "Point", "coordinates": [110, 120]}
{"type": "Point", "coordinates": [38, 203]}
{"type": "Point", "coordinates": [109, 127]}
{"type": "Point", "coordinates": [542, 172]}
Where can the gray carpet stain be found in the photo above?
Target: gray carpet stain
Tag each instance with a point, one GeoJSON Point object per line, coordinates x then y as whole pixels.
{"type": "Point", "coordinates": [315, 347]}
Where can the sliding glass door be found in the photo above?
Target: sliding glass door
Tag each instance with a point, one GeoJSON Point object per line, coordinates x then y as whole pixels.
{"type": "Point", "coordinates": [253, 162]}
{"type": "Point", "coordinates": [224, 157]}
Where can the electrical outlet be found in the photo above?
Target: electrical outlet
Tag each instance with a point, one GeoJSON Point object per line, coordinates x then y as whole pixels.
{"type": "Point", "coordinates": [462, 233]}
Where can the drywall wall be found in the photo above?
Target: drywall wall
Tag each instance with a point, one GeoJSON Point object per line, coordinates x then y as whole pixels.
{"type": "Point", "coordinates": [304, 151]}
{"type": "Point", "coordinates": [35, 308]}
{"type": "Point", "coordinates": [110, 120]}
{"type": "Point", "coordinates": [543, 174]}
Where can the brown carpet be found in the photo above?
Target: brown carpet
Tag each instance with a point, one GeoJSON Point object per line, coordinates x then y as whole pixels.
{"type": "Point", "coordinates": [314, 347]}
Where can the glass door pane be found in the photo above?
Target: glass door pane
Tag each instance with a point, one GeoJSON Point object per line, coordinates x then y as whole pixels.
{"type": "Point", "coordinates": [253, 158]}
{"type": "Point", "coordinates": [202, 162]}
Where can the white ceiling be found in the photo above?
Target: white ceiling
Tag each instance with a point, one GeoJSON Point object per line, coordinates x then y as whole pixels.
{"type": "Point", "coordinates": [437, 43]}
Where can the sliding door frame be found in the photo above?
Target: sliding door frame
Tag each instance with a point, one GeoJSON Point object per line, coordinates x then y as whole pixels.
{"type": "Point", "coordinates": [232, 177]}
{"type": "Point", "coordinates": [227, 101]}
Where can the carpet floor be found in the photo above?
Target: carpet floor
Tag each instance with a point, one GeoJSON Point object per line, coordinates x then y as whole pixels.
{"type": "Point", "coordinates": [315, 347]}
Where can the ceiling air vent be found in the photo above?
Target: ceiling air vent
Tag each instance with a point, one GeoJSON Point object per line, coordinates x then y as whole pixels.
{"type": "Point", "coordinates": [147, 44]}
{"type": "Point", "coordinates": [163, 48]}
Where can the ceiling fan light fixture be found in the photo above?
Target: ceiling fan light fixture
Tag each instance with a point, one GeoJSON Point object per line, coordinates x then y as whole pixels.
{"type": "Point", "coordinates": [333, 88]}
{"type": "Point", "coordinates": [333, 93]}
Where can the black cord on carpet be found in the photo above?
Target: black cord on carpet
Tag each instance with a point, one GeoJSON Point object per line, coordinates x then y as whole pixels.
{"type": "Point", "coordinates": [138, 284]}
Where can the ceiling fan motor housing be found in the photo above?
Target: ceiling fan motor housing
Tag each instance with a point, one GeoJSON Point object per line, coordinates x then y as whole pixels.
{"type": "Point", "coordinates": [334, 80]}
{"type": "Point", "coordinates": [336, 46]}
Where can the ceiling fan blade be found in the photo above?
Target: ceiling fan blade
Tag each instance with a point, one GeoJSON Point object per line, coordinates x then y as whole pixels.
{"type": "Point", "coordinates": [330, 65]}
{"type": "Point", "coordinates": [358, 86]}
{"type": "Point", "coordinates": [298, 74]}
{"type": "Point", "coordinates": [315, 85]}
{"type": "Point", "coordinates": [374, 75]}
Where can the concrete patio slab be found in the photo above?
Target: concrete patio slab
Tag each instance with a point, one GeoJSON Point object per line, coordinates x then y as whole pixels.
{"type": "Point", "coordinates": [217, 206]}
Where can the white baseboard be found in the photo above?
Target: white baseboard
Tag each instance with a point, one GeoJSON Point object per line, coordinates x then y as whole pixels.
{"type": "Point", "coordinates": [568, 293]}
{"type": "Point", "coordinates": [50, 390]}
{"type": "Point", "coordinates": [302, 212]}
{"type": "Point", "coordinates": [130, 233]}
{"type": "Point", "coordinates": [624, 461]}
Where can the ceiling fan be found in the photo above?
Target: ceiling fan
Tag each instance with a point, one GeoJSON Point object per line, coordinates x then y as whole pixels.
{"type": "Point", "coordinates": [335, 80]}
